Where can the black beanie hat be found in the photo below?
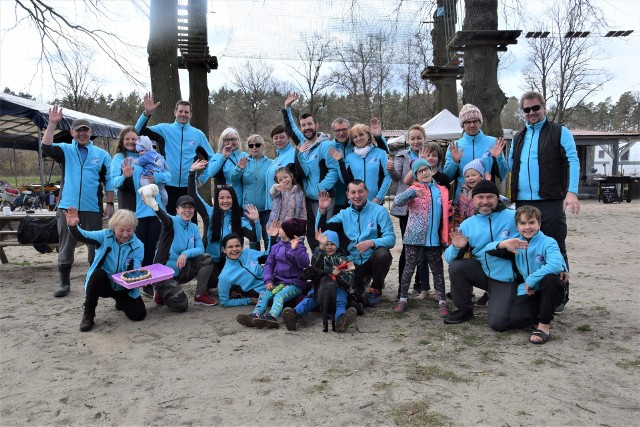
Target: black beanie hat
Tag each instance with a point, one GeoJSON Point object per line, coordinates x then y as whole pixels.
{"type": "Point", "coordinates": [485, 186]}
{"type": "Point", "coordinates": [294, 227]}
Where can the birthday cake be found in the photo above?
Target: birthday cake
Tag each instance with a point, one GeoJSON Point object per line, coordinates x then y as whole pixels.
{"type": "Point", "coordinates": [135, 275]}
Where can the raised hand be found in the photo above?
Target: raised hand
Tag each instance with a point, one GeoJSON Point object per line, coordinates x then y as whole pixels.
{"type": "Point", "coordinates": [294, 242]}
{"type": "Point", "coordinates": [456, 154]}
{"type": "Point", "coordinates": [324, 200]}
{"type": "Point", "coordinates": [71, 215]}
{"type": "Point", "coordinates": [335, 154]}
{"type": "Point", "coordinates": [513, 245]}
{"type": "Point", "coordinates": [55, 114]}
{"type": "Point", "coordinates": [497, 148]}
{"type": "Point", "coordinates": [291, 98]}
{"type": "Point", "coordinates": [198, 165]}
{"type": "Point", "coordinates": [252, 213]}
{"type": "Point", "coordinates": [375, 127]}
{"type": "Point", "coordinates": [227, 150]}
{"type": "Point", "coordinates": [303, 147]}
{"type": "Point", "coordinates": [274, 229]}
{"type": "Point", "coordinates": [321, 238]}
{"type": "Point", "coordinates": [458, 239]}
{"type": "Point", "coordinates": [150, 105]}
{"type": "Point", "coordinates": [127, 167]}
{"type": "Point", "coordinates": [242, 163]}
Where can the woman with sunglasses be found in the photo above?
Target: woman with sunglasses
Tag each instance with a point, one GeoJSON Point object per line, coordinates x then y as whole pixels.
{"type": "Point", "coordinates": [252, 173]}
{"type": "Point", "coordinates": [474, 145]}
{"type": "Point", "coordinates": [226, 159]}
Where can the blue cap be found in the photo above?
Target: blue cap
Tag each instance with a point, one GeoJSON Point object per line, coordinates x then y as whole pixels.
{"type": "Point", "coordinates": [332, 236]}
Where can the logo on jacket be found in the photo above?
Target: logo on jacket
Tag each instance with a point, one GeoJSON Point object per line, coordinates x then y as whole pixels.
{"type": "Point", "coordinates": [95, 160]}
{"type": "Point", "coordinates": [373, 160]}
{"type": "Point", "coordinates": [505, 234]}
{"type": "Point", "coordinates": [192, 240]}
{"type": "Point", "coordinates": [252, 263]}
{"type": "Point", "coordinates": [192, 143]}
{"type": "Point", "coordinates": [370, 225]}
{"type": "Point", "coordinates": [539, 259]}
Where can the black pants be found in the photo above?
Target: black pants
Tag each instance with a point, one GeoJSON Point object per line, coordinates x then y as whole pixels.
{"type": "Point", "coordinates": [173, 193]}
{"type": "Point", "coordinates": [422, 272]}
{"type": "Point", "coordinates": [99, 285]}
{"type": "Point", "coordinates": [554, 224]}
{"type": "Point", "coordinates": [539, 307]}
{"type": "Point", "coordinates": [464, 274]}
{"type": "Point", "coordinates": [376, 268]}
{"type": "Point", "coordinates": [148, 231]}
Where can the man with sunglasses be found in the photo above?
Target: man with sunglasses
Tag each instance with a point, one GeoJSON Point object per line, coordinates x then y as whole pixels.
{"type": "Point", "coordinates": [545, 170]}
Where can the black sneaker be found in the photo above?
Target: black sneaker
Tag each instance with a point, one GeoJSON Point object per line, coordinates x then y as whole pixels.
{"type": "Point", "coordinates": [290, 317]}
{"type": "Point", "coordinates": [458, 316]}
{"type": "Point", "coordinates": [483, 299]}
{"type": "Point", "coordinates": [266, 321]}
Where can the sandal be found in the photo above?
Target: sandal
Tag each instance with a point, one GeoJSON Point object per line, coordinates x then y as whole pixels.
{"type": "Point", "coordinates": [541, 334]}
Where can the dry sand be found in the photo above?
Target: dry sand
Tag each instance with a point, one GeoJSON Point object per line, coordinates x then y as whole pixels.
{"type": "Point", "coordinates": [202, 368]}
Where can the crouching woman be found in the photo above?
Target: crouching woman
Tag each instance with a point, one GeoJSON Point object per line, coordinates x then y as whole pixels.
{"type": "Point", "coordinates": [117, 250]}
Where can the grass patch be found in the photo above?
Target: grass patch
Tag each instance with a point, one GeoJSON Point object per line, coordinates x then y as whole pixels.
{"type": "Point", "coordinates": [430, 372]}
{"type": "Point", "coordinates": [539, 361]}
{"type": "Point", "coordinates": [424, 342]}
{"type": "Point", "coordinates": [628, 364]}
{"type": "Point", "coordinates": [489, 356]}
{"type": "Point", "coordinates": [584, 328]}
{"type": "Point", "coordinates": [602, 309]}
{"type": "Point", "coordinates": [263, 379]}
{"type": "Point", "coordinates": [319, 388]}
{"type": "Point", "coordinates": [418, 414]}
{"type": "Point", "coordinates": [382, 386]}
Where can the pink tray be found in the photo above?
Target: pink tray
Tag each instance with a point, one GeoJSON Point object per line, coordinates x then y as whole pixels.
{"type": "Point", "coordinates": [158, 272]}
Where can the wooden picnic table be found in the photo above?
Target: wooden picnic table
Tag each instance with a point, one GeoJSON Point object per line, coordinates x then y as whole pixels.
{"type": "Point", "coordinates": [9, 229]}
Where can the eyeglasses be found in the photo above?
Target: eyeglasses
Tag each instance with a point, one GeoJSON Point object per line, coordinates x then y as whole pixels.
{"type": "Point", "coordinates": [423, 170]}
{"type": "Point", "coordinates": [256, 145]}
{"type": "Point", "coordinates": [340, 130]}
{"type": "Point", "coordinates": [533, 108]}
{"type": "Point", "coordinates": [230, 140]}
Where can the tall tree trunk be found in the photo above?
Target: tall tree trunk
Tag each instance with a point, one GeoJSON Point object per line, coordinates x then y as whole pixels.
{"type": "Point", "coordinates": [480, 82]}
{"type": "Point", "coordinates": [444, 24]}
{"type": "Point", "coordinates": [198, 90]}
{"type": "Point", "coordinates": [163, 61]}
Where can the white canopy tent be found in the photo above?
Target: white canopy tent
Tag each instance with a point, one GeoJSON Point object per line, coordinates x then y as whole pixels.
{"type": "Point", "coordinates": [443, 125]}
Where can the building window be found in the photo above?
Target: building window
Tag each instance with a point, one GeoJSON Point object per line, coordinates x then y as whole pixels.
{"type": "Point", "coordinates": [625, 156]}
{"type": "Point", "coordinates": [601, 154]}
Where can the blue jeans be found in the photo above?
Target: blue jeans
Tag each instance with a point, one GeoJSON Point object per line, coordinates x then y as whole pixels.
{"type": "Point", "coordinates": [309, 303]}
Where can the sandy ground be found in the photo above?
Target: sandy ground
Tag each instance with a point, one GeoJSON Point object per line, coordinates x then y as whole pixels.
{"type": "Point", "coordinates": [202, 368]}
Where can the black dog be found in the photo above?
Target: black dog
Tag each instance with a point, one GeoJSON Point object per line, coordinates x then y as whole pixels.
{"type": "Point", "coordinates": [325, 289]}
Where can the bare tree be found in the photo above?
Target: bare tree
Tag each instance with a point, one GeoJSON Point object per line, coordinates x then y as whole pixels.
{"type": "Point", "coordinates": [74, 81]}
{"type": "Point", "coordinates": [364, 74]}
{"type": "Point", "coordinates": [559, 67]}
{"type": "Point", "coordinates": [313, 53]}
{"type": "Point", "coordinates": [60, 34]}
{"type": "Point", "coordinates": [255, 83]}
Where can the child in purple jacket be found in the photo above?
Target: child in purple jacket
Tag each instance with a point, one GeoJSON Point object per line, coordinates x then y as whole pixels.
{"type": "Point", "coordinates": [285, 263]}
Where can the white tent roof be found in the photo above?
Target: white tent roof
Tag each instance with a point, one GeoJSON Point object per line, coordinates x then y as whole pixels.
{"type": "Point", "coordinates": [443, 125]}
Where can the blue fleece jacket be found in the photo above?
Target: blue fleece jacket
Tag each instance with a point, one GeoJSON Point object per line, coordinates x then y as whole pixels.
{"type": "Point", "coordinates": [310, 162]}
{"type": "Point", "coordinates": [115, 257]}
{"type": "Point", "coordinates": [372, 222]}
{"type": "Point", "coordinates": [529, 156]}
{"type": "Point", "coordinates": [82, 179]}
{"type": "Point", "coordinates": [475, 147]}
{"type": "Point", "coordinates": [181, 143]}
{"type": "Point", "coordinates": [245, 272]}
{"type": "Point", "coordinates": [118, 180]}
{"type": "Point", "coordinates": [542, 257]}
{"type": "Point", "coordinates": [284, 157]}
{"type": "Point", "coordinates": [372, 170]}
{"type": "Point", "coordinates": [227, 165]}
{"type": "Point", "coordinates": [481, 230]}
{"type": "Point", "coordinates": [186, 240]}
{"type": "Point", "coordinates": [253, 181]}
